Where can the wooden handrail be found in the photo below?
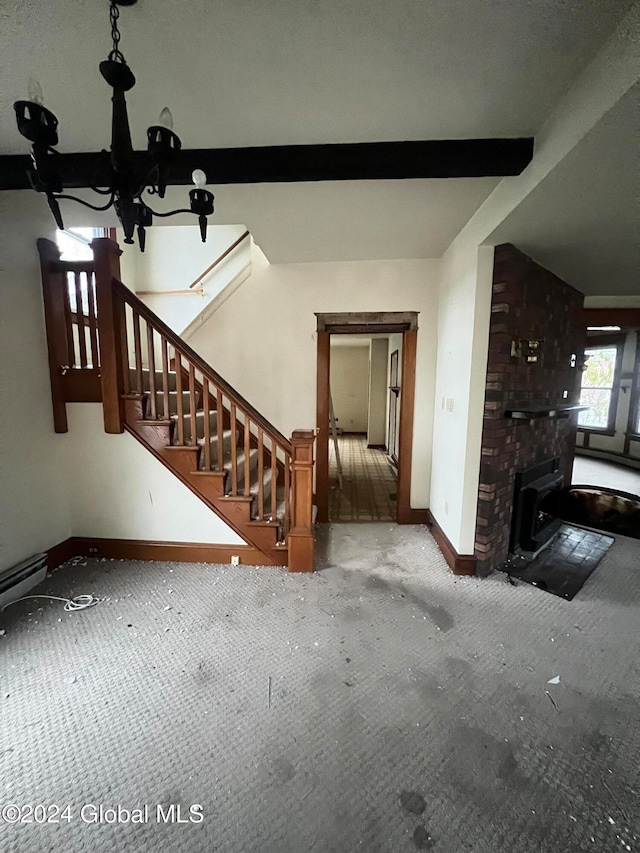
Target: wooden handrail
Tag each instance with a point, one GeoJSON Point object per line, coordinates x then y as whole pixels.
{"type": "Point", "coordinates": [207, 371]}
{"type": "Point", "coordinates": [197, 292]}
{"type": "Point", "coordinates": [218, 260]}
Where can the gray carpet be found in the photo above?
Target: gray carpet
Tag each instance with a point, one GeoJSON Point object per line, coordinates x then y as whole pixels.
{"type": "Point", "coordinates": [409, 710]}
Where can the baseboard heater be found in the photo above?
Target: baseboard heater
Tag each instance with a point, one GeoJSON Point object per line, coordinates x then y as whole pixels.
{"type": "Point", "coordinates": [20, 579]}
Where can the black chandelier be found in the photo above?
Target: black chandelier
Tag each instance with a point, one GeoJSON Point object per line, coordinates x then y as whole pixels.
{"type": "Point", "coordinates": [128, 173]}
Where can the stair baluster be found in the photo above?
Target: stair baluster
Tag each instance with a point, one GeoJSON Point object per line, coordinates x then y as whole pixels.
{"type": "Point", "coordinates": [220, 430]}
{"type": "Point", "coordinates": [151, 361]}
{"type": "Point", "coordinates": [165, 376]}
{"type": "Point", "coordinates": [206, 408]}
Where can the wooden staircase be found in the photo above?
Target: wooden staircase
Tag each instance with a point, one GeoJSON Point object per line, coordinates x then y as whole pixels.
{"type": "Point", "coordinates": [107, 345]}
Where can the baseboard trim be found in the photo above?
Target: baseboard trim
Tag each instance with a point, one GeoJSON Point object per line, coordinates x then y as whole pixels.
{"type": "Point", "coordinates": [61, 552]}
{"type": "Point", "coordinates": [460, 564]}
{"type": "Point", "coordinates": [142, 549]}
{"type": "Point", "coordinates": [624, 460]}
{"type": "Point", "coordinates": [407, 515]}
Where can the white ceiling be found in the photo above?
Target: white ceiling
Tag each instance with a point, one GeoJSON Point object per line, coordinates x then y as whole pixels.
{"type": "Point", "coordinates": [583, 220]}
{"type": "Point", "coordinates": [353, 220]}
{"type": "Point", "coordinates": [245, 73]}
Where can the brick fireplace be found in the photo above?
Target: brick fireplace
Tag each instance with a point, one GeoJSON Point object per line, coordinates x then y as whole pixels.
{"type": "Point", "coordinates": [536, 344]}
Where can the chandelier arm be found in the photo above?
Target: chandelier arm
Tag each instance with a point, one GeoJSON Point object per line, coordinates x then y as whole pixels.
{"type": "Point", "coordinates": [83, 202]}
{"type": "Point", "coordinates": [170, 212]}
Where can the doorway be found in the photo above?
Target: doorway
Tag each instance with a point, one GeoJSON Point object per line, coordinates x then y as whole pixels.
{"type": "Point", "coordinates": [401, 328]}
{"type": "Point", "coordinates": [608, 436]}
{"type": "Point", "coordinates": [362, 482]}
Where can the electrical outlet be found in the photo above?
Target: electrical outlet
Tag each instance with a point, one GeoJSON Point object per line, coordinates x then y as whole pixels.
{"type": "Point", "coordinates": [446, 507]}
{"type": "Point", "coordinates": [235, 560]}
{"type": "Point", "coordinates": [449, 404]}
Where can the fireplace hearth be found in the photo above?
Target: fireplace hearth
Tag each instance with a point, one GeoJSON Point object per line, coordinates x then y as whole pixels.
{"type": "Point", "coordinates": [536, 504]}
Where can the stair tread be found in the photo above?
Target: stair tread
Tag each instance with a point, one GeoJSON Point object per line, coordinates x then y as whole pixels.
{"type": "Point", "coordinates": [226, 433]}
{"type": "Point", "coordinates": [245, 498]}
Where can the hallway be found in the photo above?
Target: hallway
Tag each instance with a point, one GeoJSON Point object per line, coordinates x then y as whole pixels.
{"type": "Point", "coordinates": [368, 482]}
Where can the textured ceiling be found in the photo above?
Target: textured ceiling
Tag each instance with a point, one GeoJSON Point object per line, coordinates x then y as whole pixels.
{"type": "Point", "coordinates": [583, 220]}
{"type": "Point", "coordinates": [245, 73]}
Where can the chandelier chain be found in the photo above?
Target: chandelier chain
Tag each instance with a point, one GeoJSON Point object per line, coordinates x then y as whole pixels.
{"type": "Point", "coordinates": [115, 54]}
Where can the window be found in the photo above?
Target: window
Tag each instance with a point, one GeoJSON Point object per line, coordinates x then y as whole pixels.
{"type": "Point", "coordinates": [634, 426]}
{"type": "Point", "coordinates": [75, 243]}
{"type": "Point", "coordinates": [600, 386]}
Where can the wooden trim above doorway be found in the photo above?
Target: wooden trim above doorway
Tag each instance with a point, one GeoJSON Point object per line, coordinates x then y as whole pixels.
{"type": "Point", "coordinates": [367, 322]}
{"type": "Point", "coordinates": [404, 322]}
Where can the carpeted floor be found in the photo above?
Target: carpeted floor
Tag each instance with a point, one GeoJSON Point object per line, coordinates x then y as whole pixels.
{"type": "Point", "coordinates": [379, 705]}
{"type": "Point", "coordinates": [368, 482]}
{"type": "Point", "coordinates": [588, 471]}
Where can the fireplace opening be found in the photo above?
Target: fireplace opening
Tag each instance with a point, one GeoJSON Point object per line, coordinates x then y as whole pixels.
{"type": "Point", "coordinates": [536, 506]}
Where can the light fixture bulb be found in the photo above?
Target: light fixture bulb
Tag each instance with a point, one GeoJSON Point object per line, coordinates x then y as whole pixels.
{"type": "Point", "coordinates": [34, 90]}
{"type": "Point", "coordinates": [199, 178]}
{"type": "Point", "coordinates": [166, 119]}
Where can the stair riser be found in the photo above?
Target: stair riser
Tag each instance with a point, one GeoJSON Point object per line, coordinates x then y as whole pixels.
{"type": "Point", "coordinates": [226, 453]}
{"type": "Point", "coordinates": [173, 404]}
{"type": "Point", "coordinates": [200, 421]}
{"type": "Point", "coordinates": [146, 375]}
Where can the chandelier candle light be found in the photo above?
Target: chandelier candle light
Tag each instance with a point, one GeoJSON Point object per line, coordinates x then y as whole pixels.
{"type": "Point", "coordinates": [130, 172]}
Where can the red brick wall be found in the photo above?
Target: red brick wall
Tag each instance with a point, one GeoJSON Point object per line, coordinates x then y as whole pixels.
{"type": "Point", "coordinates": [527, 302]}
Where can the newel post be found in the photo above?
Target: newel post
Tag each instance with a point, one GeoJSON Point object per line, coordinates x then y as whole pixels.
{"type": "Point", "coordinates": [54, 284]}
{"type": "Point", "coordinates": [106, 256]}
{"type": "Point", "coordinates": [300, 539]}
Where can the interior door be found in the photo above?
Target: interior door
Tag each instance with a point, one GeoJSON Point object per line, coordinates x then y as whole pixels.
{"type": "Point", "coordinates": [394, 406]}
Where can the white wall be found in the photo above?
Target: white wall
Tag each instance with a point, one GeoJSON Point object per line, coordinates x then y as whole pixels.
{"type": "Point", "coordinates": [118, 490]}
{"type": "Point", "coordinates": [378, 392]}
{"type": "Point", "coordinates": [465, 287]}
{"type": "Point", "coordinates": [174, 257]}
{"type": "Point", "coordinates": [349, 380]}
{"type": "Point", "coordinates": [462, 363]}
{"type": "Point", "coordinates": [34, 513]}
{"type": "Point", "coordinates": [263, 339]}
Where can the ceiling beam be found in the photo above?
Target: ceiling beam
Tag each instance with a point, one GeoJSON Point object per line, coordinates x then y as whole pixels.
{"type": "Point", "coordinates": [360, 161]}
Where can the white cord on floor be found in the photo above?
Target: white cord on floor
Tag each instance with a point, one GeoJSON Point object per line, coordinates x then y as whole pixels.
{"type": "Point", "coordinates": [80, 602]}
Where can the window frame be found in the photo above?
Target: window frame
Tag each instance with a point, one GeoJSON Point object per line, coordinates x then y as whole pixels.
{"type": "Point", "coordinates": [616, 340]}
{"type": "Point", "coordinates": [633, 427]}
